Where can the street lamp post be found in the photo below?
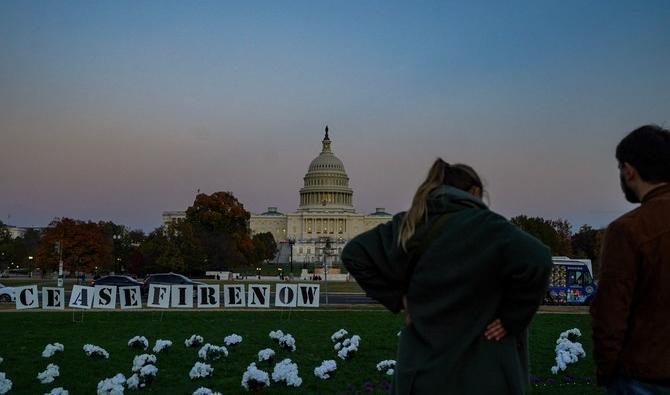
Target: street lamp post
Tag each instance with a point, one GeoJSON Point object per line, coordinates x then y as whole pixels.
{"type": "Point", "coordinates": [326, 252]}
{"type": "Point", "coordinates": [291, 241]}
{"type": "Point", "coordinates": [258, 272]}
{"type": "Point", "coordinates": [30, 265]}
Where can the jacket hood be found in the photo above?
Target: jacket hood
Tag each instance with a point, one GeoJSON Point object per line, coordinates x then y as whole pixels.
{"type": "Point", "coordinates": [447, 198]}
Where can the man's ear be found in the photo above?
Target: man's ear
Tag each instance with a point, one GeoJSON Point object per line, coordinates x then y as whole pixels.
{"type": "Point", "coordinates": [629, 172]}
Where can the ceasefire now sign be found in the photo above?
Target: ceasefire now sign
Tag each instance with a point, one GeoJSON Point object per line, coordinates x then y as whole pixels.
{"type": "Point", "coordinates": [168, 296]}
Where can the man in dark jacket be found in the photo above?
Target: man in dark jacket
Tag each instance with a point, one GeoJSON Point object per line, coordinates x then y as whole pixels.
{"type": "Point", "coordinates": [478, 267]}
{"type": "Point", "coordinates": [631, 320]}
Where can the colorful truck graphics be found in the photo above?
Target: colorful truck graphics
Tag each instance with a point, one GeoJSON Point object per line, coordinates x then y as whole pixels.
{"type": "Point", "coordinates": [571, 282]}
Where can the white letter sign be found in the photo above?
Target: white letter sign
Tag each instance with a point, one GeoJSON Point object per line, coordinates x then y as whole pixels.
{"type": "Point", "coordinates": [233, 295]}
{"type": "Point", "coordinates": [286, 295]}
{"type": "Point", "coordinates": [130, 297]}
{"type": "Point", "coordinates": [308, 295]}
{"type": "Point", "coordinates": [259, 295]}
{"type": "Point", "coordinates": [159, 296]}
{"type": "Point", "coordinates": [105, 297]}
{"type": "Point", "coordinates": [26, 297]}
{"type": "Point", "coordinates": [81, 297]}
{"type": "Point", "coordinates": [53, 298]}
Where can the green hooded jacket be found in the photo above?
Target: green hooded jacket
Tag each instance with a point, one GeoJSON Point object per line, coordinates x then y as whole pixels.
{"type": "Point", "coordinates": [477, 267]}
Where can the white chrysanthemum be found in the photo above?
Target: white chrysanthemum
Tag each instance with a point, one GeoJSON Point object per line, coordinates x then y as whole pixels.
{"type": "Point", "coordinates": [133, 382]}
{"type": "Point", "coordinates": [348, 347]}
{"type": "Point", "coordinates": [50, 350]}
{"type": "Point", "coordinates": [161, 345]}
{"type": "Point", "coordinates": [326, 367]}
{"type": "Point", "coordinates": [205, 391]}
{"type": "Point", "coordinates": [95, 351]}
{"type": "Point", "coordinates": [140, 360]}
{"type": "Point", "coordinates": [276, 335]}
{"type": "Point", "coordinates": [287, 342]}
{"type": "Point", "coordinates": [1, 359]}
{"type": "Point", "coordinates": [194, 341]}
{"type": "Point", "coordinates": [287, 371]}
{"type": "Point", "coordinates": [386, 365]}
{"type": "Point", "coordinates": [58, 391]}
{"type": "Point", "coordinates": [5, 383]}
{"type": "Point", "coordinates": [265, 354]}
{"type": "Point", "coordinates": [148, 370]}
{"type": "Point", "coordinates": [200, 370]}
{"type": "Point", "coordinates": [339, 335]}
{"type": "Point", "coordinates": [49, 375]}
{"type": "Point", "coordinates": [139, 342]}
{"type": "Point", "coordinates": [112, 386]}
{"type": "Point", "coordinates": [255, 378]}
{"type": "Point", "coordinates": [232, 339]}
{"type": "Point", "coordinates": [567, 351]}
{"type": "Point", "coordinates": [211, 352]}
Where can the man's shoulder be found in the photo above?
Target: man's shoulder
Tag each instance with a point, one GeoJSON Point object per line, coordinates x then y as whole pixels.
{"type": "Point", "coordinates": [626, 220]}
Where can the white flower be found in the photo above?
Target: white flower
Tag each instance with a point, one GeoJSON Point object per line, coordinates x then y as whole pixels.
{"type": "Point", "coordinates": [112, 386]}
{"type": "Point", "coordinates": [567, 352]}
{"type": "Point", "coordinates": [161, 345]}
{"type": "Point", "coordinates": [386, 365]}
{"type": "Point", "coordinates": [287, 371]}
{"type": "Point", "coordinates": [49, 375]}
{"type": "Point", "coordinates": [133, 382]}
{"type": "Point", "coordinates": [1, 359]}
{"type": "Point", "coordinates": [50, 350]}
{"type": "Point", "coordinates": [288, 342]}
{"type": "Point", "coordinates": [148, 370]}
{"type": "Point", "coordinates": [210, 352]}
{"type": "Point", "coordinates": [194, 341]}
{"type": "Point", "coordinates": [255, 378]}
{"type": "Point", "coordinates": [326, 367]}
{"type": "Point", "coordinates": [141, 360]}
{"type": "Point", "coordinates": [205, 391]}
{"type": "Point", "coordinates": [232, 339]}
{"type": "Point", "coordinates": [276, 335]}
{"type": "Point", "coordinates": [337, 336]}
{"type": "Point", "coordinates": [95, 351]}
{"type": "Point", "coordinates": [348, 347]}
{"type": "Point", "coordinates": [265, 354]}
{"type": "Point", "coordinates": [200, 370]}
{"type": "Point", "coordinates": [139, 341]}
{"type": "Point", "coordinates": [5, 383]}
{"type": "Point", "coordinates": [58, 391]}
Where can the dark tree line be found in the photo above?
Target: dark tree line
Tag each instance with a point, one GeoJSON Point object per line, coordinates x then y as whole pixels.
{"type": "Point", "coordinates": [558, 236]}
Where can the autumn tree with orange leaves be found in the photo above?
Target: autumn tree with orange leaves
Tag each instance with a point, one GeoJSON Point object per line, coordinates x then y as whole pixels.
{"type": "Point", "coordinates": [85, 246]}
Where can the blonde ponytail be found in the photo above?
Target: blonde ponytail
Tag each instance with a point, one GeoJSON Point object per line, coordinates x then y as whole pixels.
{"type": "Point", "coordinates": [418, 212]}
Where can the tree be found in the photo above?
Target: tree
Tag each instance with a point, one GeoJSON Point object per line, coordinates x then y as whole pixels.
{"type": "Point", "coordinates": [220, 223]}
{"type": "Point", "coordinates": [173, 248]}
{"type": "Point", "coordinates": [555, 234]}
{"type": "Point", "coordinates": [265, 246]}
{"type": "Point", "coordinates": [124, 242]}
{"type": "Point", "coordinates": [84, 246]}
{"type": "Point", "coordinates": [586, 244]}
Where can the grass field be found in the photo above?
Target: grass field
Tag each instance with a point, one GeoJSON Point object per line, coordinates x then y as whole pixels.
{"type": "Point", "coordinates": [24, 335]}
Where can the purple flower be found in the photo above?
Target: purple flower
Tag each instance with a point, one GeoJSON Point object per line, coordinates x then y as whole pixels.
{"type": "Point", "coordinates": [386, 385]}
{"type": "Point", "coordinates": [550, 381]}
{"type": "Point", "coordinates": [368, 386]}
{"type": "Point", "coordinates": [535, 380]}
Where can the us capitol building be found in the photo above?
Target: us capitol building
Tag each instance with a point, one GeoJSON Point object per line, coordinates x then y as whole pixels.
{"type": "Point", "coordinates": [325, 212]}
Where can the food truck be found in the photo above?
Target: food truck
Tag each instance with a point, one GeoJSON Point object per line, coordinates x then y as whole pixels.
{"type": "Point", "coordinates": [571, 282]}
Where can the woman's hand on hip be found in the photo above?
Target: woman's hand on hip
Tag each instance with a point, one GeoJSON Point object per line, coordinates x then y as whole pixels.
{"type": "Point", "coordinates": [495, 331]}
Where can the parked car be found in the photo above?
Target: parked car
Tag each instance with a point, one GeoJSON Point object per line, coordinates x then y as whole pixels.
{"type": "Point", "coordinates": [168, 278]}
{"type": "Point", "coordinates": [116, 280]}
{"type": "Point", "coordinates": [6, 294]}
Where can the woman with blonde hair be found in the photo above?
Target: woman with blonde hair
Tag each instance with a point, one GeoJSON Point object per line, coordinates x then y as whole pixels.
{"type": "Point", "coordinates": [468, 280]}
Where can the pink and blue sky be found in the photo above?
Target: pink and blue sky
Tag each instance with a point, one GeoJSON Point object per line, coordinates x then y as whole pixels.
{"type": "Point", "coordinates": [119, 110]}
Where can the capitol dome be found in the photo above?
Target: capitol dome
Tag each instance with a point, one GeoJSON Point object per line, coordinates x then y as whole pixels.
{"type": "Point", "coordinates": [326, 185]}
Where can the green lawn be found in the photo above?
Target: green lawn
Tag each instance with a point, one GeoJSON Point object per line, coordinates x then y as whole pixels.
{"type": "Point", "coordinates": [24, 335]}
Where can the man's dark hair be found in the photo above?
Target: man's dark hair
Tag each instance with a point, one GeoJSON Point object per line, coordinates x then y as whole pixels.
{"type": "Point", "coordinates": [647, 149]}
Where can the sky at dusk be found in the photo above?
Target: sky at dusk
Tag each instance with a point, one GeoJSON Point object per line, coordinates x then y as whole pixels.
{"type": "Point", "coordinates": [120, 110]}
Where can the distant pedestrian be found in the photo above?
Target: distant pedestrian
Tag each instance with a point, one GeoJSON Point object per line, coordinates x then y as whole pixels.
{"type": "Point", "coordinates": [469, 281]}
{"type": "Point", "coordinates": [631, 320]}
